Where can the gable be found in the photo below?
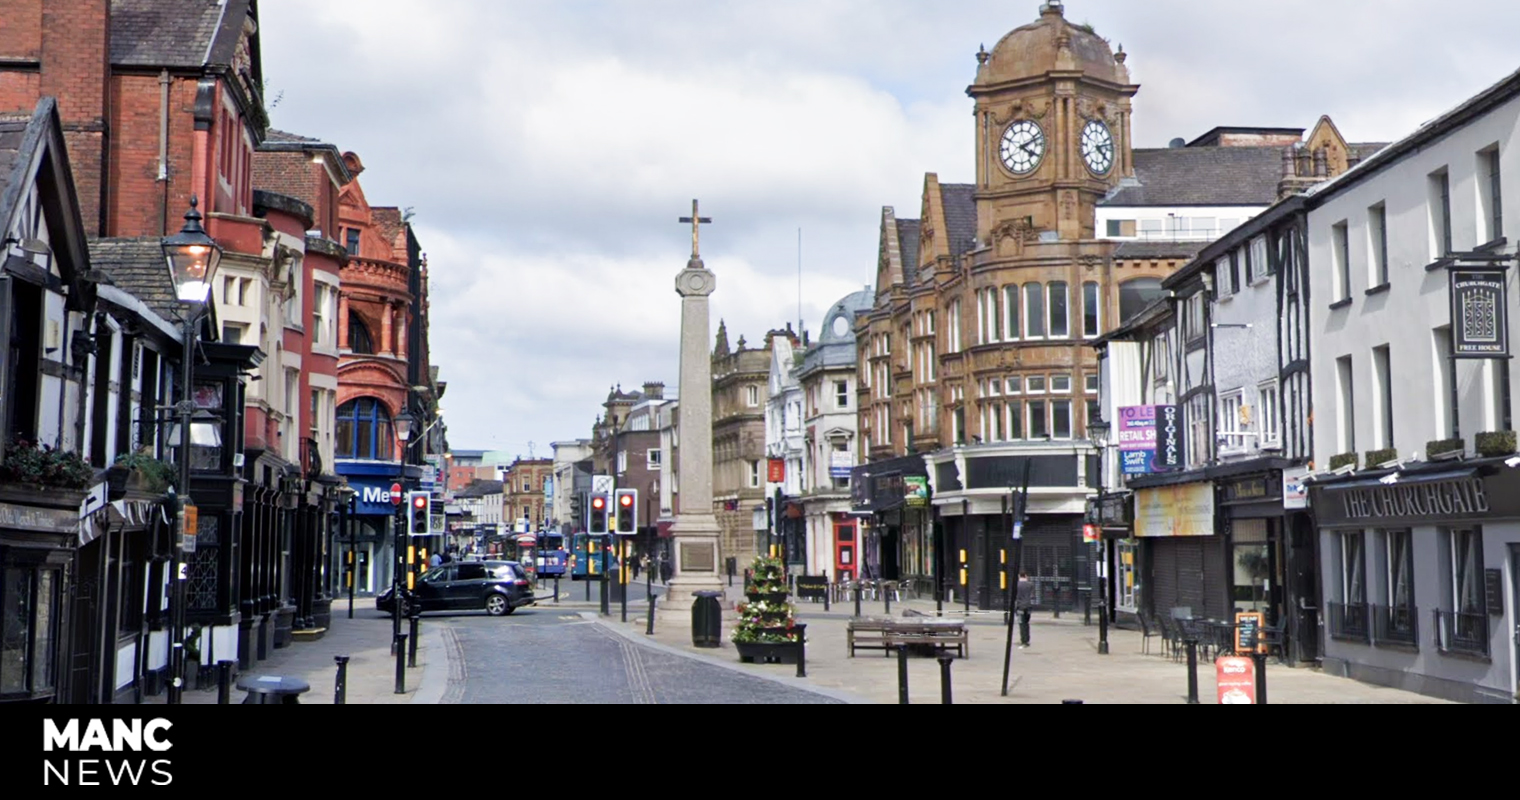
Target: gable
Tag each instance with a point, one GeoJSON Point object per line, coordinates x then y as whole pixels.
{"type": "Point", "coordinates": [889, 272]}
{"type": "Point", "coordinates": [1327, 137]}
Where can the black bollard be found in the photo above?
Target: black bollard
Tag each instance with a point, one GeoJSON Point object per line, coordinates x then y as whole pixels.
{"type": "Point", "coordinates": [902, 675]}
{"type": "Point", "coordinates": [827, 590]}
{"type": "Point", "coordinates": [649, 623]}
{"type": "Point", "coordinates": [411, 647]}
{"type": "Point", "coordinates": [340, 691]}
{"type": "Point", "coordinates": [224, 682]}
{"type": "Point", "coordinates": [1261, 677]}
{"type": "Point", "coordinates": [400, 648]}
{"type": "Point", "coordinates": [1192, 653]}
{"type": "Point", "coordinates": [886, 597]}
{"type": "Point", "coordinates": [801, 651]}
{"type": "Point", "coordinates": [1087, 608]}
{"type": "Point", "coordinates": [944, 679]}
{"type": "Point", "coordinates": [587, 581]}
{"type": "Point", "coordinates": [556, 590]}
{"type": "Point", "coordinates": [1102, 627]}
{"type": "Point", "coordinates": [857, 600]}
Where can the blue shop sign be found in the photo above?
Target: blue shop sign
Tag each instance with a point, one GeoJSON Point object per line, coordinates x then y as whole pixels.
{"type": "Point", "coordinates": [374, 498]}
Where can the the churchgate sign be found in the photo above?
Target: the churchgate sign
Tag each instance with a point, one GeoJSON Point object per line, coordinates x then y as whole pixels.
{"type": "Point", "coordinates": [1440, 497]}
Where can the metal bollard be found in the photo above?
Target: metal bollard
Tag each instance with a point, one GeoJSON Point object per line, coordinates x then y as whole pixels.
{"type": "Point", "coordinates": [1261, 677]}
{"type": "Point", "coordinates": [411, 648]}
{"type": "Point", "coordinates": [857, 600]}
{"type": "Point", "coordinates": [1103, 628]}
{"type": "Point", "coordinates": [886, 596]}
{"type": "Point", "coordinates": [556, 590]}
{"type": "Point", "coordinates": [1087, 608]}
{"type": "Point", "coordinates": [649, 623]}
{"type": "Point", "coordinates": [1192, 655]}
{"type": "Point", "coordinates": [400, 663]}
{"type": "Point", "coordinates": [944, 679]}
{"type": "Point", "coordinates": [224, 682]}
{"type": "Point", "coordinates": [902, 675]}
{"type": "Point", "coordinates": [827, 590]}
{"type": "Point", "coordinates": [340, 691]}
{"type": "Point", "coordinates": [802, 653]}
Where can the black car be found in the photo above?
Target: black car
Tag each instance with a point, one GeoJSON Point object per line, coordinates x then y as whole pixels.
{"type": "Point", "coordinates": [499, 587]}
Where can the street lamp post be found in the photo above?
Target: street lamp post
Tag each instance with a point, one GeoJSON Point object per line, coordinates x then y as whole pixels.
{"type": "Point", "coordinates": [192, 257]}
{"type": "Point", "coordinates": [402, 423]}
{"type": "Point", "coordinates": [1097, 433]}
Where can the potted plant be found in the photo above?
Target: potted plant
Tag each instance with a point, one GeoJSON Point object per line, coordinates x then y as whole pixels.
{"type": "Point", "coordinates": [767, 631]}
{"type": "Point", "coordinates": [1341, 460]}
{"type": "Point", "coordinates": [143, 471]}
{"type": "Point", "coordinates": [1494, 443]}
{"type": "Point", "coordinates": [44, 467]}
{"type": "Point", "coordinates": [1443, 448]}
{"type": "Point", "coordinates": [1376, 458]}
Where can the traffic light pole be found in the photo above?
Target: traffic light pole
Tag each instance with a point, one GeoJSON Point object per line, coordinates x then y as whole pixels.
{"type": "Point", "coordinates": [623, 575]}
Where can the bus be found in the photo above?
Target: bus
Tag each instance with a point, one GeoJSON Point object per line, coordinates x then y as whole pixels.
{"type": "Point", "coordinates": [551, 558]}
{"type": "Point", "coordinates": [587, 554]}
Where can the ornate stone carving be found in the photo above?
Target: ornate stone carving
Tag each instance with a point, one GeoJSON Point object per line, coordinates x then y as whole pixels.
{"type": "Point", "coordinates": [1021, 108]}
{"type": "Point", "coordinates": [1090, 262]}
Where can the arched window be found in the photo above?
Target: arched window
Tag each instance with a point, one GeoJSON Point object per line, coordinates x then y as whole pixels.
{"type": "Point", "coordinates": [359, 340]}
{"type": "Point", "coordinates": [1135, 295]}
{"type": "Point", "coordinates": [364, 431]}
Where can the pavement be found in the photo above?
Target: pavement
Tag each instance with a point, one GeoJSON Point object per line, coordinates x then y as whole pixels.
{"type": "Point", "coordinates": [1061, 664]}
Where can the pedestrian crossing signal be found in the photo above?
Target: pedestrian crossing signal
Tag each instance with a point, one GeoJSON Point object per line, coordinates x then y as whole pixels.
{"type": "Point", "coordinates": [419, 513]}
{"type": "Point", "coordinates": [627, 503]}
{"type": "Point", "coordinates": [598, 522]}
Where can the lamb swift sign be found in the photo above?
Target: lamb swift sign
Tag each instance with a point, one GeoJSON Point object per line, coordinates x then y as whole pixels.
{"type": "Point", "coordinates": [1414, 499]}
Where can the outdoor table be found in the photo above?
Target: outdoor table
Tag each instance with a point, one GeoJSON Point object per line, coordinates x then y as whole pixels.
{"type": "Point", "coordinates": [272, 689]}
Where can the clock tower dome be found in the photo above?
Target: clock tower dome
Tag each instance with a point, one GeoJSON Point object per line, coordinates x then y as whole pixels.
{"type": "Point", "coordinates": [1052, 129]}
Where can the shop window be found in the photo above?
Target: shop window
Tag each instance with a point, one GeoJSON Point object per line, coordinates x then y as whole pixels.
{"type": "Point", "coordinates": [29, 606]}
{"type": "Point", "coordinates": [1348, 616]}
{"type": "Point", "coordinates": [1463, 628]}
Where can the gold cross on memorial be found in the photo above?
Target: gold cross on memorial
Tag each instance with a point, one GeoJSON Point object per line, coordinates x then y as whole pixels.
{"type": "Point", "coordinates": [695, 221]}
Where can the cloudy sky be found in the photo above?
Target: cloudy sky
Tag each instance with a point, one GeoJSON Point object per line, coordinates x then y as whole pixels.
{"type": "Point", "coordinates": [547, 147]}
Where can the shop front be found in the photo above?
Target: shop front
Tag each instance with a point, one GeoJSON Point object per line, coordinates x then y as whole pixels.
{"type": "Point", "coordinates": [1182, 555]}
{"type": "Point", "coordinates": [1112, 515]}
{"type": "Point", "coordinates": [1421, 577]}
{"type": "Point", "coordinates": [891, 538]}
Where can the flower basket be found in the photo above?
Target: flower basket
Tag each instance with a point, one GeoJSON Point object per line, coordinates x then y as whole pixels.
{"type": "Point", "coordinates": [772, 652]}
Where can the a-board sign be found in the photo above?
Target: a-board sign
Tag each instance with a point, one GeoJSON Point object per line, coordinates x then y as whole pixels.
{"type": "Point", "coordinates": [1235, 678]}
{"type": "Point", "coordinates": [1248, 632]}
{"type": "Point", "coordinates": [811, 587]}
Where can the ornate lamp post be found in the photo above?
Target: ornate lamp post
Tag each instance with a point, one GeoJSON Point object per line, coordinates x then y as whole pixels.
{"type": "Point", "coordinates": [402, 424]}
{"type": "Point", "coordinates": [1097, 433]}
{"type": "Point", "coordinates": [192, 257]}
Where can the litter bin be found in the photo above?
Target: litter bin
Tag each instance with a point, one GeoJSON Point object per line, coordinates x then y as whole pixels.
{"type": "Point", "coordinates": [706, 619]}
{"type": "Point", "coordinates": [272, 689]}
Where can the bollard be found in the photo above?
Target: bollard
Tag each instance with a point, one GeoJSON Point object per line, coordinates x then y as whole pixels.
{"type": "Point", "coordinates": [801, 652]}
{"type": "Point", "coordinates": [1103, 627]}
{"type": "Point", "coordinates": [340, 691]}
{"type": "Point", "coordinates": [886, 597]}
{"type": "Point", "coordinates": [556, 590]}
{"type": "Point", "coordinates": [224, 682]}
{"type": "Point", "coordinates": [857, 600]}
{"type": "Point", "coordinates": [944, 679]}
{"type": "Point", "coordinates": [902, 674]}
{"type": "Point", "coordinates": [411, 647]}
{"type": "Point", "coordinates": [1192, 653]}
{"type": "Point", "coordinates": [587, 581]}
{"type": "Point", "coordinates": [1087, 608]}
{"type": "Point", "coordinates": [400, 648]}
{"type": "Point", "coordinates": [1261, 677]}
{"type": "Point", "coordinates": [827, 590]}
{"type": "Point", "coordinates": [649, 623]}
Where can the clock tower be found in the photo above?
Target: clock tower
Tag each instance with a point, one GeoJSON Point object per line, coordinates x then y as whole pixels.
{"type": "Point", "coordinates": [1052, 130]}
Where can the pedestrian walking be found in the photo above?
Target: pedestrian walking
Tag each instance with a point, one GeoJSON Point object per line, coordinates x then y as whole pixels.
{"type": "Point", "coordinates": [435, 560]}
{"type": "Point", "coordinates": [638, 563]}
{"type": "Point", "coordinates": [1023, 602]}
{"type": "Point", "coordinates": [664, 569]}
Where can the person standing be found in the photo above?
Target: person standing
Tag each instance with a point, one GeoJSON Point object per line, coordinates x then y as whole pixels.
{"type": "Point", "coordinates": [1023, 603]}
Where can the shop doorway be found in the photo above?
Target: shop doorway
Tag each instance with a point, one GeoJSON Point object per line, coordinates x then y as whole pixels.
{"type": "Point", "coordinates": [845, 552]}
{"type": "Point", "coordinates": [1253, 568]}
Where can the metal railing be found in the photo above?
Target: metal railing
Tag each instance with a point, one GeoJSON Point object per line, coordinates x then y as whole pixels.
{"type": "Point", "coordinates": [1458, 632]}
{"type": "Point", "coordinates": [1349, 621]}
{"type": "Point", "coordinates": [1396, 625]}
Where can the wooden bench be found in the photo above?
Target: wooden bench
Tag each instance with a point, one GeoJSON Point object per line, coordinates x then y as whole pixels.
{"type": "Point", "coordinates": [867, 634]}
{"type": "Point", "coordinates": [929, 638]}
{"type": "Point", "coordinates": [932, 637]}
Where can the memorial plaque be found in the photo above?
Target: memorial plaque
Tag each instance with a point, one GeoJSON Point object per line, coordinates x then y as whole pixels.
{"type": "Point", "coordinates": [699, 557]}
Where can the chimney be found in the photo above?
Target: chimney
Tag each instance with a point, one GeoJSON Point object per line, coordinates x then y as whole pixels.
{"type": "Point", "coordinates": [1321, 165]}
{"type": "Point", "coordinates": [74, 54]}
{"type": "Point", "coordinates": [654, 391]}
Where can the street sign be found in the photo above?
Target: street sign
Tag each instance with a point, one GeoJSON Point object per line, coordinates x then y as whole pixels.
{"type": "Point", "coordinates": [189, 529]}
{"type": "Point", "coordinates": [601, 484]}
{"type": "Point", "coordinates": [395, 494]}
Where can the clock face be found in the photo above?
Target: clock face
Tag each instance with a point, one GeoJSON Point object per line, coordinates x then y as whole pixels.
{"type": "Point", "coordinates": [1023, 147]}
{"type": "Point", "coordinates": [1097, 147]}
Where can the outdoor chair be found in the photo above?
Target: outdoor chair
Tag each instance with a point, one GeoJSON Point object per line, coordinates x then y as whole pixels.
{"type": "Point", "coordinates": [1148, 628]}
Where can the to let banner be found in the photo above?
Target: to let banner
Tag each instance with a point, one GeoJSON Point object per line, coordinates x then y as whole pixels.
{"type": "Point", "coordinates": [1479, 315]}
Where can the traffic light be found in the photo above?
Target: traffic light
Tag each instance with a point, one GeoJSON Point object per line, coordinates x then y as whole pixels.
{"type": "Point", "coordinates": [598, 523]}
{"type": "Point", "coordinates": [627, 503]}
{"type": "Point", "coordinates": [419, 513]}
{"type": "Point", "coordinates": [576, 518]}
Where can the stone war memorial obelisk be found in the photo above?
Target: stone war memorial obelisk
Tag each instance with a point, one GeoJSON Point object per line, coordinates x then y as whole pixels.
{"type": "Point", "coordinates": [694, 537]}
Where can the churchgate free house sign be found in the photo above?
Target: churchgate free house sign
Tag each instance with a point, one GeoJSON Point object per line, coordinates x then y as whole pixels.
{"type": "Point", "coordinates": [1479, 315]}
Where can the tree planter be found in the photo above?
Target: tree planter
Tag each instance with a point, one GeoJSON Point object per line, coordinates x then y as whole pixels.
{"type": "Point", "coordinates": [771, 652]}
{"type": "Point", "coordinates": [1494, 443]}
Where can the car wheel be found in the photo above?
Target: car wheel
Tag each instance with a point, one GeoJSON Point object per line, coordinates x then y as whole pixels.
{"type": "Point", "coordinates": [497, 605]}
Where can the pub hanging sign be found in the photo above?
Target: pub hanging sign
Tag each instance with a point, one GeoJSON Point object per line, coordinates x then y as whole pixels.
{"type": "Point", "coordinates": [1479, 315]}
